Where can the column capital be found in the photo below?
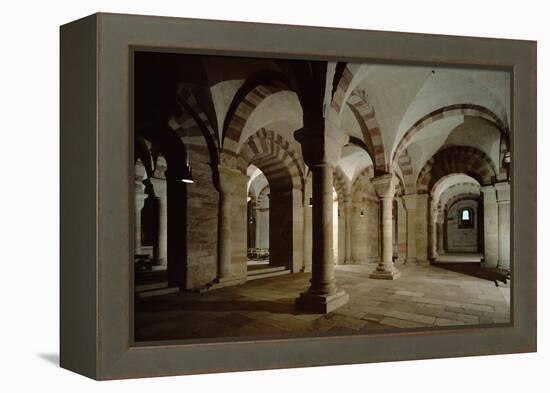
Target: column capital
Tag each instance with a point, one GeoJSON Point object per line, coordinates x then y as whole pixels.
{"type": "Point", "coordinates": [321, 143]}
{"type": "Point", "coordinates": [228, 176]}
{"type": "Point", "coordinates": [410, 201]}
{"type": "Point", "coordinates": [228, 160]}
{"type": "Point", "coordinates": [384, 185]}
{"type": "Point", "coordinates": [158, 184]}
{"type": "Point", "coordinates": [503, 192]}
{"type": "Point", "coordinates": [488, 189]}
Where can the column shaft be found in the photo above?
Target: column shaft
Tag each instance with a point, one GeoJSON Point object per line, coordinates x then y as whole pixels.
{"type": "Point", "coordinates": [490, 226]}
{"type": "Point", "coordinates": [227, 185]}
{"type": "Point", "coordinates": [348, 211]}
{"type": "Point", "coordinates": [385, 189]}
{"type": "Point", "coordinates": [160, 251]}
{"type": "Point", "coordinates": [440, 236]}
{"type": "Point", "coordinates": [410, 204]}
{"type": "Point", "coordinates": [224, 260]}
{"type": "Point", "coordinates": [322, 295]}
{"type": "Point", "coordinates": [503, 202]}
{"type": "Point", "coordinates": [138, 206]}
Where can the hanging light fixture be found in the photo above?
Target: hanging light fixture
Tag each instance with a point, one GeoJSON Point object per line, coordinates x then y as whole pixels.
{"type": "Point", "coordinates": [188, 171]}
{"type": "Point", "coordinates": [310, 202]}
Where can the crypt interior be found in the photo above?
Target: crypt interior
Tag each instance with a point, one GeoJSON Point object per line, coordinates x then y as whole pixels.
{"type": "Point", "coordinates": [304, 197]}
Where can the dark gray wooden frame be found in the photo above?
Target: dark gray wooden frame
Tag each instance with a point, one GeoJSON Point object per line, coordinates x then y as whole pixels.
{"type": "Point", "coordinates": [97, 194]}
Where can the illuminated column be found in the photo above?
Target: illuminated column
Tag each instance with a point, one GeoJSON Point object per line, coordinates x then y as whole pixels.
{"type": "Point", "coordinates": [348, 211]}
{"type": "Point", "coordinates": [410, 205]}
{"type": "Point", "coordinates": [401, 231]}
{"type": "Point", "coordinates": [323, 295]}
{"type": "Point", "coordinates": [490, 226]}
{"type": "Point", "coordinates": [385, 189]}
{"type": "Point", "coordinates": [440, 233]}
{"type": "Point", "coordinates": [432, 250]}
{"type": "Point", "coordinates": [139, 201]}
{"type": "Point", "coordinates": [161, 250]}
{"type": "Point", "coordinates": [503, 202]}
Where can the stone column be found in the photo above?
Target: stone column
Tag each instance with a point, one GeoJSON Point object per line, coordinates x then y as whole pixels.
{"type": "Point", "coordinates": [228, 182]}
{"type": "Point", "coordinates": [490, 226]}
{"type": "Point", "coordinates": [401, 231]}
{"type": "Point", "coordinates": [410, 206]}
{"type": "Point", "coordinates": [139, 201]}
{"type": "Point", "coordinates": [385, 189]}
{"type": "Point", "coordinates": [432, 251]}
{"type": "Point", "coordinates": [307, 234]}
{"type": "Point", "coordinates": [440, 233]}
{"type": "Point", "coordinates": [160, 252]}
{"type": "Point", "coordinates": [422, 212]}
{"type": "Point", "coordinates": [323, 295]}
{"type": "Point", "coordinates": [348, 211]}
{"type": "Point", "coordinates": [503, 202]}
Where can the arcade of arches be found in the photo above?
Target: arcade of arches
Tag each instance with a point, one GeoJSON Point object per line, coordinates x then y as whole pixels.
{"type": "Point", "coordinates": [339, 195]}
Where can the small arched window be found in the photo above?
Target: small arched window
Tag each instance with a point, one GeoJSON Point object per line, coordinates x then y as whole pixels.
{"type": "Point", "coordinates": [465, 218]}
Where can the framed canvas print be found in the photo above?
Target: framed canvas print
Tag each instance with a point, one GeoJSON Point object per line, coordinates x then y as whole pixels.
{"type": "Point", "coordinates": [241, 196]}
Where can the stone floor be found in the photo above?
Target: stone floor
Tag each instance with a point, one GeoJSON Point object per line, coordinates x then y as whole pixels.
{"type": "Point", "coordinates": [424, 297]}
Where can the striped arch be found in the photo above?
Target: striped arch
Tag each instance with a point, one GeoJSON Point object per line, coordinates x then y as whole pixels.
{"type": "Point", "coordinates": [192, 122]}
{"type": "Point", "coordinates": [456, 159]}
{"type": "Point", "coordinates": [474, 189]}
{"type": "Point", "coordinates": [405, 165]}
{"type": "Point", "coordinates": [339, 97]}
{"type": "Point", "coordinates": [240, 110]}
{"type": "Point", "coordinates": [459, 198]}
{"type": "Point", "coordinates": [190, 104]}
{"type": "Point", "coordinates": [372, 133]}
{"type": "Point", "coordinates": [449, 111]}
{"type": "Point", "coordinates": [276, 159]}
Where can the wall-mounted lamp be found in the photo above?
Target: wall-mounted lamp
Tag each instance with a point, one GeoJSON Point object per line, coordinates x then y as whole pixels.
{"type": "Point", "coordinates": [188, 171]}
{"type": "Point", "coordinates": [361, 214]}
{"type": "Point", "coordinates": [310, 202]}
{"type": "Point", "coordinates": [187, 175]}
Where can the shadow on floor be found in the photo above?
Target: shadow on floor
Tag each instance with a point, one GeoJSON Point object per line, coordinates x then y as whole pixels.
{"type": "Point", "coordinates": [278, 306]}
{"type": "Point", "coordinates": [52, 358]}
{"type": "Point", "coordinates": [498, 276]}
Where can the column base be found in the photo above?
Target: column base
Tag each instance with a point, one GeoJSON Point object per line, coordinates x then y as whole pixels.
{"type": "Point", "coordinates": [503, 266]}
{"type": "Point", "coordinates": [410, 260]}
{"type": "Point", "coordinates": [489, 264]}
{"type": "Point", "coordinates": [321, 304]}
{"type": "Point", "coordinates": [349, 262]}
{"type": "Point", "coordinates": [227, 282]}
{"type": "Point", "coordinates": [385, 275]}
{"type": "Point", "coordinates": [423, 262]}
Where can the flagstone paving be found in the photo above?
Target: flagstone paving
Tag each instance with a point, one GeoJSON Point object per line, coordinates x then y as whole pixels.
{"type": "Point", "coordinates": [424, 297]}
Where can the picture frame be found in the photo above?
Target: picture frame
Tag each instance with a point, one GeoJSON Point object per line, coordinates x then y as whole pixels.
{"type": "Point", "coordinates": [97, 199]}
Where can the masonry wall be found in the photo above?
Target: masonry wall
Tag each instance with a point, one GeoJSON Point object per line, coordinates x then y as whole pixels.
{"type": "Point", "coordinates": [359, 233]}
{"type": "Point", "coordinates": [462, 239]}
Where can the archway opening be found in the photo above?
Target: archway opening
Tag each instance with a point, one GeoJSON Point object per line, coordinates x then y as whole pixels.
{"type": "Point", "coordinates": [258, 195]}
